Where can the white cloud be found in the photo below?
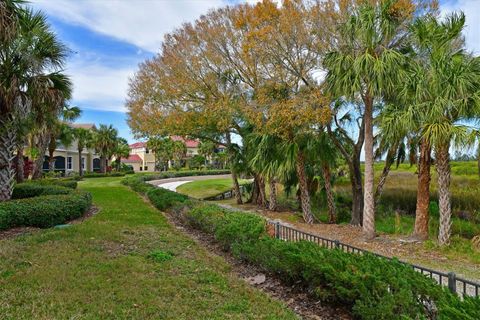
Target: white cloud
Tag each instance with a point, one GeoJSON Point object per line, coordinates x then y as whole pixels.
{"type": "Point", "coordinates": [471, 8]}
{"type": "Point", "coordinates": [99, 87]}
{"type": "Point", "coordinates": [139, 22]}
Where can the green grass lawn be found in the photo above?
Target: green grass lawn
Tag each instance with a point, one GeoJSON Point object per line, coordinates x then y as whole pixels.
{"type": "Point", "coordinates": [127, 262]}
{"type": "Point", "coordinates": [202, 189]}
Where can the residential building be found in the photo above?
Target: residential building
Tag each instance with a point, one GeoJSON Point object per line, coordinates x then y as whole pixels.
{"type": "Point", "coordinates": [142, 159]}
{"type": "Point", "coordinates": [67, 159]}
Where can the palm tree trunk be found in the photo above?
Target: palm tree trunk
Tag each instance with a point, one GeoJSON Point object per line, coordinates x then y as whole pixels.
{"type": "Point", "coordinates": [390, 159]}
{"type": "Point", "coordinates": [272, 205]}
{"type": "Point", "coordinates": [357, 193]}
{"type": "Point", "coordinates": [80, 169]}
{"type": "Point", "coordinates": [103, 164]}
{"type": "Point", "coordinates": [368, 195]}
{"type": "Point", "coordinates": [20, 163]}
{"type": "Point", "coordinates": [7, 145]}
{"type": "Point", "coordinates": [52, 145]}
{"type": "Point", "coordinates": [236, 188]}
{"type": "Point", "coordinates": [332, 212]}
{"type": "Point", "coordinates": [423, 192]}
{"type": "Point", "coordinates": [304, 196]}
{"type": "Point", "coordinates": [443, 171]}
{"type": "Point", "coordinates": [262, 193]}
{"type": "Point", "coordinates": [38, 163]}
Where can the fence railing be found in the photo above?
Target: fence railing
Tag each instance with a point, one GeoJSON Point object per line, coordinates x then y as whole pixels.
{"type": "Point", "coordinates": [455, 284]}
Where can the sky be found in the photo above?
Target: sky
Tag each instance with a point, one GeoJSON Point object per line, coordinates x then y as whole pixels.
{"type": "Point", "coordinates": [109, 38]}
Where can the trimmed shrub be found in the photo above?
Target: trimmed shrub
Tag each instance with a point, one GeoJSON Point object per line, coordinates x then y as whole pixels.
{"type": "Point", "coordinates": [63, 182]}
{"type": "Point", "coordinates": [44, 211]}
{"type": "Point", "coordinates": [103, 175]}
{"type": "Point", "coordinates": [163, 199]}
{"type": "Point", "coordinates": [370, 286]}
{"type": "Point", "coordinates": [29, 190]}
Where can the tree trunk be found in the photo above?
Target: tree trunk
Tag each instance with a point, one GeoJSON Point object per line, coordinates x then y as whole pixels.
{"type": "Point", "coordinates": [7, 145]}
{"type": "Point", "coordinates": [103, 165]}
{"type": "Point", "coordinates": [236, 188]}
{"type": "Point", "coordinates": [423, 192]}
{"type": "Point", "coordinates": [304, 196]}
{"type": "Point", "coordinates": [368, 195]}
{"type": "Point", "coordinates": [332, 212]}
{"type": "Point", "coordinates": [20, 165]}
{"type": "Point", "coordinates": [272, 205]}
{"type": "Point", "coordinates": [38, 163]}
{"type": "Point", "coordinates": [443, 171]}
{"type": "Point", "coordinates": [52, 145]}
{"type": "Point", "coordinates": [80, 169]}
{"type": "Point", "coordinates": [262, 193]}
{"type": "Point", "coordinates": [357, 192]}
{"type": "Point", "coordinates": [390, 159]}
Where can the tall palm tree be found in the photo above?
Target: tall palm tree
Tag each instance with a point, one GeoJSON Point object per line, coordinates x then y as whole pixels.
{"type": "Point", "coordinates": [84, 140]}
{"type": "Point", "coordinates": [59, 130]}
{"type": "Point", "coordinates": [104, 140]}
{"type": "Point", "coordinates": [368, 63]}
{"type": "Point", "coordinates": [442, 92]}
{"type": "Point", "coordinates": [121, 151]}
{"type": "Point", "coordinates": [30, 81]}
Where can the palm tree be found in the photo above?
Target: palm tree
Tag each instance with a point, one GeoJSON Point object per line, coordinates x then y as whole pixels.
{"type": "Point", "coordinates": [122, 150]}
{"type": "Point", "coordinates": [368, 63]}
{"type": "Point", "coordinates": [30, 81]}
{"type": "Point", "coordinates": [84, 140]}
{"type": "Point", "coordinates": [104, 141]}
{"type": "Point", "coordinates": [443, 89]}
{"type": "Point", "coordinates": [60, 130]}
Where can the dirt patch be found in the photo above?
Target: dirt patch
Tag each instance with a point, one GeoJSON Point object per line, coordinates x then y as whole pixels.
{"type": "Point", "coordinates": [295, 296]}
{"type": "Point", "coordinates": [90, 213]}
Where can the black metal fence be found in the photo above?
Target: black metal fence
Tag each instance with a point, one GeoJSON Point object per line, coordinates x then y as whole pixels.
{"type": "Point", "coordinates": [454, 283]}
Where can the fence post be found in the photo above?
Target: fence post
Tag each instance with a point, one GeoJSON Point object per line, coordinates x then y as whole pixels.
{"type": "Point", "coordinates": [337, 243]}
{"type": "Point", "coordinates": [452, 282]}
{"type": "Point", "coordinates": [277, 230]}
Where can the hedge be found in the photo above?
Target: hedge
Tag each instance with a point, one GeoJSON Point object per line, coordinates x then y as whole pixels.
{"type": "Point", "coordinates": [63, 182]}
{"type": "Point", "coordinates": [103, 175]}
{"type": "Point", "coordinates": [29, 190]}
{"type": "Point", "coordinates": [44, 211]}
{"type": "Point", "coordinates": [370, 286]}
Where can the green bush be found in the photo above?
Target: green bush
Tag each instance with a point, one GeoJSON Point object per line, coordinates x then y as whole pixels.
{"type": "Point", "coordinates": [63, 182]}
{"type": "Point", "coordinates": [163, 199]}
{"type": "Point", "coordinates": [372, 287]}
{"type": "Point", "coordinates": [103, 175]}
{"type": "Point", "coordinates": [29, 190]}
{"type": "Point", "coordinates": [44, 211]}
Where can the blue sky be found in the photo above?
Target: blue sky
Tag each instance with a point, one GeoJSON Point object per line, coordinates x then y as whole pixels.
{"type": "Point", "coordinates": [109, 38]}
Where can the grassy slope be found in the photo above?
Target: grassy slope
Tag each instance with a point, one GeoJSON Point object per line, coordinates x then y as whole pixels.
{"type": "Point", "coordinates": [100, 269]}
{"type": "Point", "coordinates": [202, 189]}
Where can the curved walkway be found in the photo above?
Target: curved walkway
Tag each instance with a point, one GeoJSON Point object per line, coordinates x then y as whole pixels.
{"type": "Point", "coordinates": [172, 183]}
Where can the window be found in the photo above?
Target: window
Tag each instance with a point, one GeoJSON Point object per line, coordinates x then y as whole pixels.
{"type": "Point", "coordinates": [141, 168]}
{"type": "Point", "coordinates": [83, 163]}
{"type": "Point", "coordinates": [147, 151]}
{"type": "Point", "coordinates": [146, 168]}
{"type": "Point", "coordinates": [69, 163]}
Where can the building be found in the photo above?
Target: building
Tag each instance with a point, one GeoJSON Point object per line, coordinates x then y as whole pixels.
{"type": "Point", "coordinates": [142, 159]}
{"type": "Point", "coordinates": [67, 159]}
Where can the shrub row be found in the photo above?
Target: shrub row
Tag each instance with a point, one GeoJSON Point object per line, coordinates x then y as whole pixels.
{"type": "Point", "coordinates": [29, 190]}
{"type": "Point", "coordinates": [63, 182]}
{"type": "Point", "coordinates": [44, 211]}
{"type": "Point", "coordinates": [103, 175]}
{"type": "Point", "coordinates": [372, 287]}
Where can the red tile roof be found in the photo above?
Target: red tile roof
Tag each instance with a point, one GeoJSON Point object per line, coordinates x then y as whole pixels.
{"type": "Point", "coordinates": [138, 145]}
{"type": "Point", "coordinates": [132, 159]}
{"type": "Point", "coordinates": [188, 143]}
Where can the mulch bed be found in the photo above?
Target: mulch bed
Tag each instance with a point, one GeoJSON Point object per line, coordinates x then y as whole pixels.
{"type": "Point", "coordinates": [16, 232]}
{"type": "Point", "coordinates": [295, 297]}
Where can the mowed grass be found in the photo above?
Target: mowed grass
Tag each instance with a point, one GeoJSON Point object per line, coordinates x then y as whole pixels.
{"type": "Point", "coordinates": [126, 262]}
{"type": "Point", "coordinates": [202, 189]}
